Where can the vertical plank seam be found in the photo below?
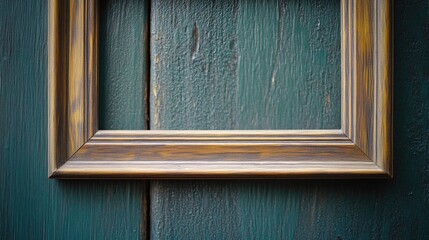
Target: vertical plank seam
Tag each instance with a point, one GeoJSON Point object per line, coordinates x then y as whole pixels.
{"type": "Point", "coordinates": [146, 206]}
{"type": "Point", "coordinates": [146, 233]}
{"type": "Point", "coordinates": [148, 63]}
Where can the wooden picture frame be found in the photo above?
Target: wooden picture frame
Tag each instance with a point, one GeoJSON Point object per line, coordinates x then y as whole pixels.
{"type": "Point", "coordinates": [362, 148]}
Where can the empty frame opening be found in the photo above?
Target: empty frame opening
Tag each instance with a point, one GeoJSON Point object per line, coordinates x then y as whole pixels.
{"type": "Point", "coordinates": [221, 65]}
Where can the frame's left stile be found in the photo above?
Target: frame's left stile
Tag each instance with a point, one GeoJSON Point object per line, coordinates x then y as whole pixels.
{"type": "Point", "coordinates": [77, 149]}
{"type": "Point", "coordinates": [73, 77]}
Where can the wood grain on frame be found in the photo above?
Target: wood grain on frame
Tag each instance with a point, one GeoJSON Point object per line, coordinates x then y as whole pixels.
{"type": "Point", "coordinates": [383, 139]}
{"type": "Point", "coordinates": [73, 77]}
{"type": "Point", "coordinates": [58, 71]}
{"type": "Point", "coordinates": [91, 58]}
{"type": "Point", "coordinates": [76, 78]}
{"type": "Point", "coordinates": [367, 78]}
{"type": "Point", "coordinates": [362, 148]}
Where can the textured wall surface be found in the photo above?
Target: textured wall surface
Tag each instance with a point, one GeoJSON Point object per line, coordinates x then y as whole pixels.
{"type": "Point", "coordinates": [31, 205]}
{"type": "Point", "coordinates": [284, 209]}
{"type": "Point", "coordinates": [34, 207]}
{"type": "Point", "coordinates": [123, 64]}
{"type": "Point", "coordinates": [245, 64]}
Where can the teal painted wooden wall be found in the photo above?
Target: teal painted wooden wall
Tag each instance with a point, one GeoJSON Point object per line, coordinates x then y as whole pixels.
{"type": "Point", "coordinates": [31, 206]}
{"type": "Point", "coordinates": [186, 95]}
{"type": "Point", "coordinates": [123, 64]}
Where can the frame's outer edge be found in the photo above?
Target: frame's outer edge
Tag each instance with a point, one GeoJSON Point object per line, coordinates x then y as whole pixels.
{"type": "Point", "coordinates": [53, 59]}
{"type": "Point", "coordinates": [219, 170]}
{"type": "Point", "coordinates": [384, 86]}
{"type": "Point", "coordinates": [73, 78]}
{"type": "Point", "coordinates": [57, 96]}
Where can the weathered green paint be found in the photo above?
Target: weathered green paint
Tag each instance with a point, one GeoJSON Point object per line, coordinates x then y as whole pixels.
{"type": "Point", "coordinates": [245, 64]}
{"type": "Point", "coordinates": [31, 205]}
{"type": "Point", "coordinates": [123, 64]}
{"type": "Point", "coordinates": [288, 71]}
{"type": "Point", "coordinates": [191, 63]}
{"type": "Point", "coordinates": [283, 209]}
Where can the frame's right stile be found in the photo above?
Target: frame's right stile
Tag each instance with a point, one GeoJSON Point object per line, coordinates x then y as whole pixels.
{"type": "Point", "coordinates": [367, 78]}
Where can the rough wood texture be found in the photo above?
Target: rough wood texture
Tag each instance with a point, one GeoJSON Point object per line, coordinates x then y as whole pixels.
{"type": "Point", "coordinates": [323, 209]}
{"type": "Point", "coordinates": [31, 205]}
{"type": "Point", "coordinates": [171, 50]}
{"type": "Point", "coordinates": [123, 47]}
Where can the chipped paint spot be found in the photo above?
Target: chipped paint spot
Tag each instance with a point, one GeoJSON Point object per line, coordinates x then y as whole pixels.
{"type": "Point", "coordinates": [196, 42]}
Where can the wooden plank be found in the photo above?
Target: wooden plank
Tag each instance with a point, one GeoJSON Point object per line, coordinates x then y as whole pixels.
{"type": "Point", "coordinates": [123, 55]}
{"type": "Point", "coordinates": [123, 64]}
{"type": "Point", "coordinates": [314, 209]}
{"type": "Point", "coordinates": [31, 205]}
{"type": "Point", "coordinates": [228, 84]}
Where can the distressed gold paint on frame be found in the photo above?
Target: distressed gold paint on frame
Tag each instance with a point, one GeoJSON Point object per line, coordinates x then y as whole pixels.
{"type": "Point", "coordinates": [362, 148]}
